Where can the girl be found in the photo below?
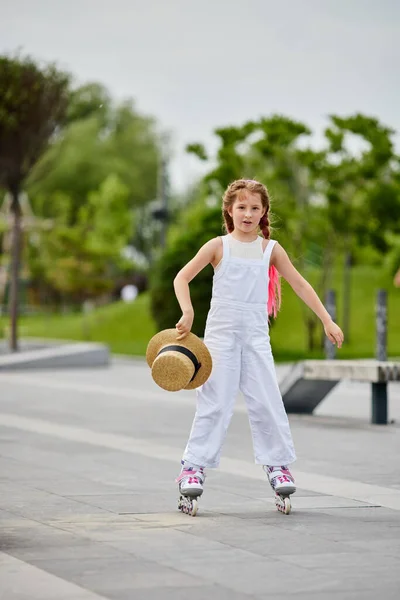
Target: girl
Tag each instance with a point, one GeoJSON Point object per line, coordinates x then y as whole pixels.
{"type": "Point", "coordinates": [245, 290]}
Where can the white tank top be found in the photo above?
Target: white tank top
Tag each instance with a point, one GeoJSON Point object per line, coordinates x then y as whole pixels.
{"type": "Point", "coordinates": [242, 281]}
{"type": "Point", "coordinates": [250, 250]}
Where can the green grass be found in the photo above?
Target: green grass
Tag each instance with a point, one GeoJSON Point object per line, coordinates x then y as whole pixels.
{"type": "Point", "coordinates": [127, 328]}
{"type": "Point", "coordinates": [288, 335]}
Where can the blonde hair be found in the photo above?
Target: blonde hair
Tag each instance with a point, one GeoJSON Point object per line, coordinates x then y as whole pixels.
{"type": "Point", "coordinates": [235, 190]}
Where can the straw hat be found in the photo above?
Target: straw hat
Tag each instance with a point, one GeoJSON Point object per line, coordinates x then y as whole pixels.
{"type": "Point", "coordinates": [176, 365]}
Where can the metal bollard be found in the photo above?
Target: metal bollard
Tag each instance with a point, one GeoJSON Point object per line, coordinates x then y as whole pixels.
{"type": "Point", "coordinates": [330, 349]}
{"type": "Point", "coordinates": [379, 389]}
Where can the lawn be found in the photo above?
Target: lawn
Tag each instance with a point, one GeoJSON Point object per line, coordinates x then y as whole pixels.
{"type": "Point", "coordinates": [128, 327]}
{"type": "Point", "coordinates": [288, 334]}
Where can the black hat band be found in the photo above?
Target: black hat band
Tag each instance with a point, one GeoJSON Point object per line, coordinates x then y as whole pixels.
{"type": "Point", "coordinates": [187, 353]}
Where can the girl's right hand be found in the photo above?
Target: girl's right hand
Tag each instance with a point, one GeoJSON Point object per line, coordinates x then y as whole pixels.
{"type": "Point", "coordinates": [184, 325]}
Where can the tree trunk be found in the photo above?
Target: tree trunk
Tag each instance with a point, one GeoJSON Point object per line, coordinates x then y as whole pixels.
{"type": "Point", "coordinates": [311, 327]}
{"type": "Point", "coordinates": [15, 267]}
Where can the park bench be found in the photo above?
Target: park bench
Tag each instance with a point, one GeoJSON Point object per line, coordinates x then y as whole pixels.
{"type": "Point", "coordinates": [308, 382]}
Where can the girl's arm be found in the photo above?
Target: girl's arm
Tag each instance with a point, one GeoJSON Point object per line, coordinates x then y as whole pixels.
{"type": "Point", "coordinates": [306, 292]}
{"type": "Point", "coordinates": [205, 256]}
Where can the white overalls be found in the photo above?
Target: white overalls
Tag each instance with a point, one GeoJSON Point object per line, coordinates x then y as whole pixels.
{"type": "Point", "coordinates": [238, 339]}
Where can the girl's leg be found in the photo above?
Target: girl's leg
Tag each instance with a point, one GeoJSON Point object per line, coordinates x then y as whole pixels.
{"type": "Point", "coordinates": [272, 439]}
{"type": "Point", "coordinates": [215, 403]}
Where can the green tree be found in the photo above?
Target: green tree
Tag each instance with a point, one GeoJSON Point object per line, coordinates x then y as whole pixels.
{"type": "Point", "coordinates": [110, 140]}
{"type": "Point", "coordinates": [33, 104]}
{"type": "Point", "coordinates": [318, 198]}
{"type": "Point", "coordinates": [271, 150]}
{"type": "Point", "coordinates": [91, 99]}
{"type": "Point", "coordinates": [101, 139]}
{"type": "Point", "coordinates": [361, 189]}
{"type": "Point", "coordinates": [79, 261]}
{"type": "Point", "coordinates": [195, 228]}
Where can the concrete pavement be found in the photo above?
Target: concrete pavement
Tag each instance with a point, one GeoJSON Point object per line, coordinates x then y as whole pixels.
{"type": "Point", "coordinates": [88, 500]}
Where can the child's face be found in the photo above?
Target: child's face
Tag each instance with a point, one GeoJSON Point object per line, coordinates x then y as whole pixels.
{"type": "Point", "coordinates": [246, 212]}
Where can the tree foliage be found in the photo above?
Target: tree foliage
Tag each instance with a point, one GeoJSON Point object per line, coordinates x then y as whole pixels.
{"type": "Point", "coordinates": [33, 103]}
{"type": "Point", "coordinates": [102, 142]}
{"type": "Point", "coordinates": [88, 100]}
{"type": "Point", "coordinates": [323, 201]}
{"type": "Point", "coordinates": [100, 139]}
{"type": "Point", "coordinates": [362, 183]}
{"type": "Point", "coordinates": [79, 260]}
{"type": "Point", "coordinates": [197, 227]}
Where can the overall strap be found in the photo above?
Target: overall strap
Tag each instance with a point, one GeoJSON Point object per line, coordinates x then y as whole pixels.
{"type": "Point", "coordinates": [225, 246]}
{"type": "Point", "coordinates": [268, 251]}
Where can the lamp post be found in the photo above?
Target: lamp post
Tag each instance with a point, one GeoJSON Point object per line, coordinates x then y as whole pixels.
{"type": "Point", "coordinates": [161, 213]}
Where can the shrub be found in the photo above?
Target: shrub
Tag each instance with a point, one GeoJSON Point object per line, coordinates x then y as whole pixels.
{"type": "Point", "coordinates": [182, 248]}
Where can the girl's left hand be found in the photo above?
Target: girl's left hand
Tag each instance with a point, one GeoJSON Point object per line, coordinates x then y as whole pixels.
{"type": "Point", "coordinates": [334, 333]}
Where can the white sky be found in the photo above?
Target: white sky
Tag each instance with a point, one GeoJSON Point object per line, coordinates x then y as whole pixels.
{"type": "Point", "coordinates": [200, 65]}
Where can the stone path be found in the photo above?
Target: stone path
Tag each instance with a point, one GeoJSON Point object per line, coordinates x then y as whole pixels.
{"type": "Point", "coordinates": [88, 500]}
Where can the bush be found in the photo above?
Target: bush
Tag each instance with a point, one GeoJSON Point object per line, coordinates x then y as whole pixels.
{"type": "Point", "coordinates": [202, 225]}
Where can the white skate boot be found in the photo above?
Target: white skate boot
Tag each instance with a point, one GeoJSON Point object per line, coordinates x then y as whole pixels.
{"type": "Point", "coordinates": [282, 483]}
{"type": "Point", "coordinates": [190, 482]}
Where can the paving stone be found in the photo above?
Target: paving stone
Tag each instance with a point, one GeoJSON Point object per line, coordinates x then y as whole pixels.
{"type": "Point", "coordinates": [385, 547]}
{"type": "Point", "coordinates": [112, 573]}
{"type": "Point", "coordinates": [135, 503]}
{"type": "Point", "coordinates": [371, 593]}
{"type": "Point", "coordinates": [219, 563]}
{"type": "Point", "coordinates": [266, 540]}
{"type": "Point", "coordinates": [21, 581]}
{"type": "Point", "coordinates": [39, 505]}
{"type": "Point", "coordinates": [347, 562]}
{"type": "Point", "coordinates": [188, 592]}
{"type": "Point", "coordinates": [91, 521]}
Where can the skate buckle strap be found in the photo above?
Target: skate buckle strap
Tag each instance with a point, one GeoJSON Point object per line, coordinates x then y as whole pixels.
{"type": "Point", "coordinates": [280, 471]}
{"type": "Point", "coordinates": [194, 476]}
{"type": "Point", "coordinates": [286, 473]}
{"type": "Point", "coordinates": [283, 478]}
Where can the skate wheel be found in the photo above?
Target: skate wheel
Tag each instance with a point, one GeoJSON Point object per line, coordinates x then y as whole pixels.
{"type": "Point", "coordinates": [188, 506]}
{"type": "Point", "coordinates": [287, 506]}
{"type": "Point", "coordinates": [283, 504]}
{"type": "Point", "coordinates": [195, 507]}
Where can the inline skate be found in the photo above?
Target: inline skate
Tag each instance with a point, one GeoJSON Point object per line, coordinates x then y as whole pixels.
{"type": "Point", "coordinates": [282, 483]}
{"type": "Point", "coordinates": [190, 483]}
